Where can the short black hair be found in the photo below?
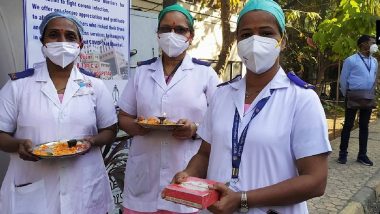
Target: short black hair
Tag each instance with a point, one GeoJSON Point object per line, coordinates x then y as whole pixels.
{"type": "Point", "coordinates": [363, 38]}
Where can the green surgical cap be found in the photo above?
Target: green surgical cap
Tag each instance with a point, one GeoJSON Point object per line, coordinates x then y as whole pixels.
{"type": "Point", "coordinates": [179, 8]}
{"type": "Point", "coordinates": [269, 6]}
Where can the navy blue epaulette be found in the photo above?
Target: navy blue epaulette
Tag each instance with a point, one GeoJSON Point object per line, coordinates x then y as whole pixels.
{"type": "Point", "coordinates": [200, 62]}
{"type": "Point", "coordinates": [235, 79]}
{"type": "Point", "coordinates": [298, 81]}
{"type": "Point", "coordinates": [19, 75]}
{"type": "Point", "coordinates": [88, 73]}
{"type": "Point", "coordinates": [147, 62]}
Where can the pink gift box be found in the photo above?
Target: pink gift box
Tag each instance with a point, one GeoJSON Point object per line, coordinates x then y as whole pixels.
{"type": "Point", "coordinates": [193, 192]}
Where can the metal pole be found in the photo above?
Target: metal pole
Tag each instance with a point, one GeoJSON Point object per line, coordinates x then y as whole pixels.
{"type": "Point", "coordinates": [336, 99]}
{"type": "Point", "coordinates": [231, 71]}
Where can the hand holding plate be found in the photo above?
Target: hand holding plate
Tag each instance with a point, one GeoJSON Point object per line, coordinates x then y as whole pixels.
{"type": "Point", "coordinates": [186, 131]}
{"type": "Point", "coordinates": [25, 150]}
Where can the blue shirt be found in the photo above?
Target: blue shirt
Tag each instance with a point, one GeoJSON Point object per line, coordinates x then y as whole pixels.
{"type": "Point", "coordinates": [355, 74]}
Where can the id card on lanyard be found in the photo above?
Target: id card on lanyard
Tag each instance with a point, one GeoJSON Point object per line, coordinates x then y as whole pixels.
{"type": "Point", "coordinates": [238, 143]}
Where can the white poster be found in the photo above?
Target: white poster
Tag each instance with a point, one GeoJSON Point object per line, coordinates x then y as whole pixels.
{"type": "Point", "coordinates": [106, 36]}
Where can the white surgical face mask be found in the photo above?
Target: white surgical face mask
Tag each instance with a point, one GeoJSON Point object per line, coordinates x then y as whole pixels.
{"type": "Point", "coordinates": [173, 44]}
{"type": "Point", "coordinates": [373, 49]}
{"type": "Point", "coordinates": [258, 53]}
{"type": "Point", "coordinates": [61, 53]}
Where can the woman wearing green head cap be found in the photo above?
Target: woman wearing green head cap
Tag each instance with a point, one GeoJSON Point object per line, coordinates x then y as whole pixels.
{"type": "Point", "coordinates": [175, 86]}
{"type": "Point", "coordinates": [264, 135]}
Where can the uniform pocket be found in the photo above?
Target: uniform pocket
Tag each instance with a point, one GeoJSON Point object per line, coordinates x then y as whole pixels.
{"type": "Point", "coordinates": [137, 175]}
{"type": "Point", "coordinates": [30, 199]}
{"type": "Point", "coordinates": [95, 188]}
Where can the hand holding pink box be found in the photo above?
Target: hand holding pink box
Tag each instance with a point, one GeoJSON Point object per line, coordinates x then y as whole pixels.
{"type": "Point", "coordinates": [193, 192]}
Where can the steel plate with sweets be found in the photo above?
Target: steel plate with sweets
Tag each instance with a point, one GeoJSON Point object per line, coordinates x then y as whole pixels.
{"type": "Point", "coordinates": [61, 149]}
{"type": "Point", "coordinates": [157, 124]}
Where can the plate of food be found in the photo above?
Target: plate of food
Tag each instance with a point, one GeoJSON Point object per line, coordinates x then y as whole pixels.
{"type": "Point", "coordinates": [61, 149]}
{"type": "Point", "coordinates": [157, 124]}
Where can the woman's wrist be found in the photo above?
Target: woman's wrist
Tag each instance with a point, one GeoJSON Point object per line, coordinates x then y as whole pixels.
{"type": "Point", "coordinates": [243, 205]}
{"type": "Point", "coordinates": [92, 140]}
{"type": "Point", "coordinates": [19, 143]}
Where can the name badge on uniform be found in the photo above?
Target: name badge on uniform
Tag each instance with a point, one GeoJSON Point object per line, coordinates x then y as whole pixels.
{"type": "Point", "coordinates": [85, 87]}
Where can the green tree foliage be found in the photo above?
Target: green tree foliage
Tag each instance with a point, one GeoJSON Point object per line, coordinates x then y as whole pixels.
{"type": "Point", "coordinates": [338, 33]}
{"type": "Point", "coordinates": [300, 55]}
{"type": "Point", "coordinates": [302, 20]}
{"type": "Point", "coordinates": [227, 9]}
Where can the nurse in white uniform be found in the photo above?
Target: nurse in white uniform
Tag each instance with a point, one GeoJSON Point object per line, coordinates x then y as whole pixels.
{"type": "Point", "coordinates": [179, 86]}
{"type": "Point", "coordinates": [55, 101]}
{"type": "Point", "coordinates": [265, 135]}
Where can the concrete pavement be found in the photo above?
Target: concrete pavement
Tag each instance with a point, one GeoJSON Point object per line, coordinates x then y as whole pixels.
{"type": "Point", "coordinates": [352, 188]}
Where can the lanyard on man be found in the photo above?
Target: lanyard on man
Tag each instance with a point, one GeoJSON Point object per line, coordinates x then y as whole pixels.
{"type": "Point", "coordinates": [370, 62]}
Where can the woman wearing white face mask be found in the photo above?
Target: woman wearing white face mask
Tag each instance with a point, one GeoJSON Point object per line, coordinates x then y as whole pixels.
{"type": "Point", "coordinates": [56, 101]}
{"type": "Point", "coordinates": [174, 84]}
{"type": "Point", "coordinates": [264, 135]}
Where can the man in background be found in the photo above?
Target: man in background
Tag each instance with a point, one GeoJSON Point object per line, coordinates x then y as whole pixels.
{"type": "Point", "coordinates": [358, 75]}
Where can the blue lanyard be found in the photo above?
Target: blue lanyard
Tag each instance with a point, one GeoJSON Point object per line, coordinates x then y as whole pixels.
{"type": "Point", "coordinates": [238, 143]}
{"type": "Point", "coordinates": [370, 62]}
